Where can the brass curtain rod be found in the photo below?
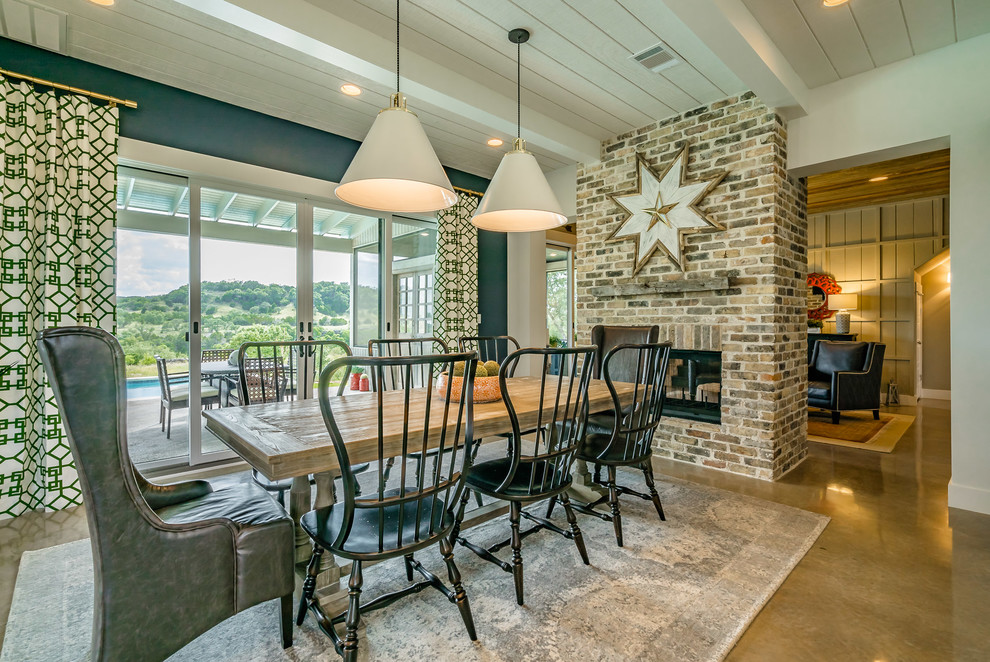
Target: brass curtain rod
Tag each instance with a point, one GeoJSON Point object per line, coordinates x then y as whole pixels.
{"type": "Point", "coordinates": [68, 88]}
{"type": "Point", "coordinates": [469, 191]}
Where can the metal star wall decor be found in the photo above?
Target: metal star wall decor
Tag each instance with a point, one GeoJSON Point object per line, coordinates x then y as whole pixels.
{"type": "Point", "coordinates": [662, 209]}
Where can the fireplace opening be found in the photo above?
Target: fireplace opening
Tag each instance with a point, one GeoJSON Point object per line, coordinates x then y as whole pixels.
{"type": "Point", "coordinates": [694, 385]}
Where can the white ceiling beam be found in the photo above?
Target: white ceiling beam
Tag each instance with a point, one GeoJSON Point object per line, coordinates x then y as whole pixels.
{"type": "Point", "coordinates": [263, 211]}
{"type": "Point", "coordinates": [729, 29]}
{"type": "Point", "coordinates": [367, 55]}
{"type": "Point", "coordinates": [332, 221]}
{"type": "Point", "coordinates": [360, 227]}
{"type": "Point", "coordinates": [180, 195]}
{"type": "Point", "coordinates": [289, 222]}
{"type": "Point", "coordinates": [129, 192]}
{"type": "Point", "coordinates": [224, 205]}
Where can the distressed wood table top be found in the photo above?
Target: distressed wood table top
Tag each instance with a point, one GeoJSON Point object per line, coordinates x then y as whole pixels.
{"type": "Point", "coordinates": [289, 439]}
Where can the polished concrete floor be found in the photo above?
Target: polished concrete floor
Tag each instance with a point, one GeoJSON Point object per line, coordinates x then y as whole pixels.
{"type": "Point", "coordinates": [896, 575]}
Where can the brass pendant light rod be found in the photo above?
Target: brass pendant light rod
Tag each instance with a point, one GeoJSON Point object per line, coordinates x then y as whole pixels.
{"type": "Point", "coordinates": [113, 101]}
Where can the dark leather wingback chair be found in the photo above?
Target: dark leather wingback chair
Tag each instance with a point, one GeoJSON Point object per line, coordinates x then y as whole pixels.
{"type": "Point", "coordinates": [607, 338]}
{"type": "Point", "coordinates": [845, 376]}
{"type": "Point", "coordinates": [170, 561]}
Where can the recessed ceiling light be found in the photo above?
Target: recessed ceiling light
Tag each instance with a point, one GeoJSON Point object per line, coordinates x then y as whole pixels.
{"type": "Point", "coordinates": [553, 255]}
{"type": "Point", "coordinates": [102, 3]}
{"type": "Point", "coordinates": [880, 178]}
{"type": "Point", "coordinates": [494, 142]}
{"type": "Point", "coordinates": [834, 3]}
{"type": "Point", "coordinates": [424, 234]}
{"type": "Point", "coordinates": [350, 89]}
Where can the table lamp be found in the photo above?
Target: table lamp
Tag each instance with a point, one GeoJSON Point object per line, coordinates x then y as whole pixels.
{"type": "Point", "coordinates": [843, 303]}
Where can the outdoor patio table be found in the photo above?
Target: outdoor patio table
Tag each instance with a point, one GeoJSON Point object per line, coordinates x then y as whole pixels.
{"type": "Point", "coordinates": [218, 369]}
{"type": "Point", "coordinates": [290, 440]}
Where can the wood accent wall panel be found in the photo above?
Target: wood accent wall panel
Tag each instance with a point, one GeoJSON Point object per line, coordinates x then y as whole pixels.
{"type": "Point", "coordinates": [874, 251]}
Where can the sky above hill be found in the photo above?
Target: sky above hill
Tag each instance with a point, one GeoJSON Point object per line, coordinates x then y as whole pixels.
{"type": "Point", "coordinates": [150, 264]}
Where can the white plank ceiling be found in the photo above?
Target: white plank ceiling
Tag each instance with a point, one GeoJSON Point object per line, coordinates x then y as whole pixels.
{"type": "Point", "coordinates": [824, 44]}
{"type": "Point", "coordinates": [577, 68]}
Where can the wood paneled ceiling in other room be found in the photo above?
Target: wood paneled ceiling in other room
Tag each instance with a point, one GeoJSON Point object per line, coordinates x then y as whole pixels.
{"type": "Point", "coordinates": [912, 177]}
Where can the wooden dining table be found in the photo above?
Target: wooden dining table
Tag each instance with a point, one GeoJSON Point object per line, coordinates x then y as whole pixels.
{"type": "Point", "coordinates": [290, 439]}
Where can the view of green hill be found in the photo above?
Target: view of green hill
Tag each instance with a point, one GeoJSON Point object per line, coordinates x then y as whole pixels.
{"type": "Point", "coordinates": [233, 312]}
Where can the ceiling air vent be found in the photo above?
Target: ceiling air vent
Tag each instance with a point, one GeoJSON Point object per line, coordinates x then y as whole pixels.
{"type": "Point", "coordinates": [657, 58]}
{"type": "Point", "coordinates": [33, 24]}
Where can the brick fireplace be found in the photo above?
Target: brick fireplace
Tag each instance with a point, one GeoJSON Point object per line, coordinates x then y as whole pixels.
{"type": "Point", "coordinates": [756, 320]}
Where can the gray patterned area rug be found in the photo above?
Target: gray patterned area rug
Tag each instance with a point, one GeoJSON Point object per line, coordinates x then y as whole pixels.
{"type": "Point", "coordinates": [684, 589]}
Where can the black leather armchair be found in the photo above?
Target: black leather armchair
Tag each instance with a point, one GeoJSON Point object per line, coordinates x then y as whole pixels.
{"type": "Point", "coordinates": [171, 561]}
{"type": "Point", "coordinates": [607, 338]}
{"type": "Point", "coordinates": [845, 376]}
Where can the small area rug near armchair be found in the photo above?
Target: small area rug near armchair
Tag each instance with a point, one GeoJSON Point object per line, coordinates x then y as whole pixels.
{"type": "Point", "coordinates": [859, 430]}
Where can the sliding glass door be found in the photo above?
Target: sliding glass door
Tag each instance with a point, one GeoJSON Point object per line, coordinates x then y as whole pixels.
{"type": "Point", "coordinates": [248, 287]}
{"type": "Point", "coordinates": [205, 266]}
{"type": "Point", "coordinates": [153, 313]}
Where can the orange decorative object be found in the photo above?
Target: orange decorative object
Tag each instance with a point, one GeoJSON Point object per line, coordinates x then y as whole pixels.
{"type": "Point", "coordinates": [486, 389]}
{"type": "Point", "coordinates": [820, 285]}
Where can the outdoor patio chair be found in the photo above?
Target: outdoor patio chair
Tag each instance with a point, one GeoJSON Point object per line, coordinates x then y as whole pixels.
{"type": "Point", "coordinates": [175, 394]}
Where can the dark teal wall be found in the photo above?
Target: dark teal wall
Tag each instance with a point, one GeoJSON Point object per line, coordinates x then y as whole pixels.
{"type": "Point", "coordinates": [169, 116]}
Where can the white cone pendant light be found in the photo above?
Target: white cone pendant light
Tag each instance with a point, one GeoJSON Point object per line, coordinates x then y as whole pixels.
{"type": "Point", "coordinates": [396, 169]}
{"type": "Point", "coordinates": [519, 198]}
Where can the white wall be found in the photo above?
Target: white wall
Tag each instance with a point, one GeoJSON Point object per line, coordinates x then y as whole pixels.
{"type": "Point", "coordinates": [938, 98]}
{"type": "Point", "coordinates": [527, 285]}
{"type": "Point", "coordinates": [563, 183]}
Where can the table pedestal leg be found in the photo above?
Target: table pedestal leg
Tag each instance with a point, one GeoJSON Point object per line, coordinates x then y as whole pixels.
{"type": "Point", "coordinates": [582, 488]}
{"type": "Point", "coordinates": [299, 505]}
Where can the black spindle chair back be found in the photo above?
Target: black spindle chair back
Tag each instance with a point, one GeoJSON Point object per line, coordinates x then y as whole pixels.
{"type": "Point", "coordinates": [489, 348]}
{"type": "Point", "coordinates": [271, 371]}
{"type": "Point", "coordinates": [636, 422]}
{"type": "Point", "coordinates": [403, 428]}
{"type": "Point", "coordinates": [559, 427]}
{"type": "Point", "coordinates": [405, 519]}
{"type": "Point", "coordinates": [394, 377]}
{"type": "Point", "coordinates": [280, 371]}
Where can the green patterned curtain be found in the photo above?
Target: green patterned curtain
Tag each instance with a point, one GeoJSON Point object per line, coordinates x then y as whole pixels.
{"type": "Point", "coordinates": [56, 269]}
{"type": "Point", "coordinates": [455, 296]}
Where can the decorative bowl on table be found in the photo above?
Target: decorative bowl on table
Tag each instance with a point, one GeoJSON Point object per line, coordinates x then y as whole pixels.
{"type": "Point", "coordinates": [486, 389]}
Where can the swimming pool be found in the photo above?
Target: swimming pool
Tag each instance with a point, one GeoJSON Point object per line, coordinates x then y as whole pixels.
{"type": "Point", "coordinates": [139, 388]}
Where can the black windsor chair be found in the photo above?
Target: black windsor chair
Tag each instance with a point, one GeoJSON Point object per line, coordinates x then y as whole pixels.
{"type": "Point", "coordinates": [489, 348]}
{"type": "Point", "coordinates": [629, 442]}
{"type": "Point", "coordinates": [399, 521]}
{"type": "Point", "coordinates": [540, 467]}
